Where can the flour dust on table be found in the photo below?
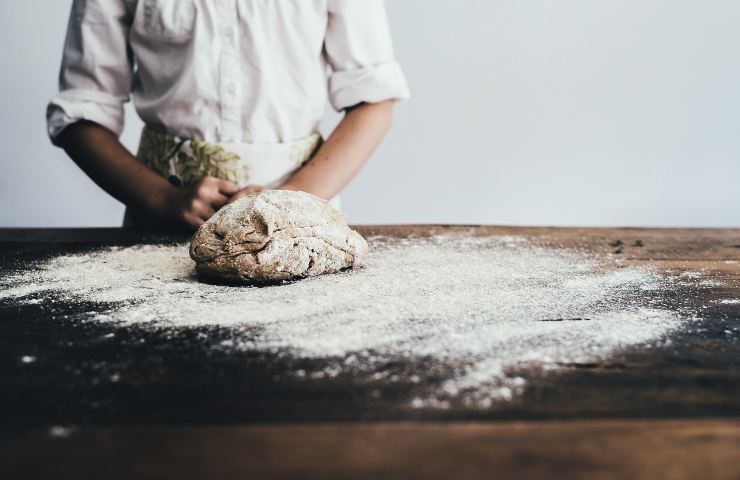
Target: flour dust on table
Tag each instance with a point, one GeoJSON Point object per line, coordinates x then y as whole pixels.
{"type": "Point", "coordinates": [470, 311]}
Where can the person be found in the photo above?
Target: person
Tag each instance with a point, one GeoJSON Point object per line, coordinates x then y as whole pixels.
{"type": "Point", "coordinates": [231, 93]}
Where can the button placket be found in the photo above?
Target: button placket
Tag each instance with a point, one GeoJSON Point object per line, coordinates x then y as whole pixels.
{"type": "Point", "coordinates": [229, 72]}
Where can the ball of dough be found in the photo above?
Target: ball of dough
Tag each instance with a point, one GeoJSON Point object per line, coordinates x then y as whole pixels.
{"type": "Point", "coordinates": [275, 235]}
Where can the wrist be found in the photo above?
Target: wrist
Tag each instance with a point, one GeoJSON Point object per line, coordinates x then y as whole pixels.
{"type": "Point", "coordinates": [157, 200]}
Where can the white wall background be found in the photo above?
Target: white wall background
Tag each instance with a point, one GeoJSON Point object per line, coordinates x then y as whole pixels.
{"type": "Point", "coordinates": [567, 112]}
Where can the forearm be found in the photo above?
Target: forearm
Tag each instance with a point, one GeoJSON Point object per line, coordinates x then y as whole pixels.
{"type": "Point", "coordinates": [346, 150]}
{"type": "Point", "coordinates": [100, 154]}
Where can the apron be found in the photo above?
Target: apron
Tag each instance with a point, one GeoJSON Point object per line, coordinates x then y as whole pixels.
{"type": "Point", "coordinates": [184, 161]}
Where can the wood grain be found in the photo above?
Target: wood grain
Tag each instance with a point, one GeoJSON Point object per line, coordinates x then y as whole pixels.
{"type": "Point", "coordinates": [612, 431]}
{"type": "Point", "coordinates": [671, 449]}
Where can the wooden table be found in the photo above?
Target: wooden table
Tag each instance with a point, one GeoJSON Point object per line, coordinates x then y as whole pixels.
{"type": "Point", "coordinates": [669, 412]}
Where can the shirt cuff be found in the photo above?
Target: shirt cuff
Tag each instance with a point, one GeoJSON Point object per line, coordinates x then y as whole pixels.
{"type": "Point", "coordinates": [72, 106]}
{"type": "Point", "coordinates": [374, 84]}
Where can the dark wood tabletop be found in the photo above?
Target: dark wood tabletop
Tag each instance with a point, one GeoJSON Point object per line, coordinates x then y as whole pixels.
{"type": "Point", "coordinates": [183, 410]}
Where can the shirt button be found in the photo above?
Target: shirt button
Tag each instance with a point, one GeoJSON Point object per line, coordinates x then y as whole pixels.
{"type": "Point", "coordinates": [231, 89]}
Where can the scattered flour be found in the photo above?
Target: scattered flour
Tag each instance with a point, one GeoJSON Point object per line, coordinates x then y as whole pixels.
{"type": "Point", "coordinates": [476, 307]}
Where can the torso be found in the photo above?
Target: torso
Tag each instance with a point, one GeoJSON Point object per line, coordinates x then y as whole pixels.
{"type": "Point", "coordinates": [230, 70]}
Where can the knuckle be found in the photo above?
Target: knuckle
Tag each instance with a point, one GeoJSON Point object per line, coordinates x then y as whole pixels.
{"type": "Point", "coordinates": [204, 190]}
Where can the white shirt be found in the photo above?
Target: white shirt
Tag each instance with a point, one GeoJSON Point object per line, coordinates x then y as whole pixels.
{"type": "Point", "coordinates": [254, 71]}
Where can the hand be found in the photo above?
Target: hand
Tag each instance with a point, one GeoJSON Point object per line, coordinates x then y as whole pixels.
{"type": "Point", "coordinates": [248, 190]}
{"type": "Point", "coordinates": [290, 186]}
{"type": "Point", "coordinates": [196, 203]}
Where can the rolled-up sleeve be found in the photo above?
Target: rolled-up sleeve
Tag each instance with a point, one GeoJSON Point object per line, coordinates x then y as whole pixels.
{"type": "Point", "coordinates": [97, 67]}
{"type": "Point", "coordinates": [360, 52]}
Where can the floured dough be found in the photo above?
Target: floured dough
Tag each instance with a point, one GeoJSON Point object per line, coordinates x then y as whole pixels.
{"type": "Point", "coordinates": [275, 235]}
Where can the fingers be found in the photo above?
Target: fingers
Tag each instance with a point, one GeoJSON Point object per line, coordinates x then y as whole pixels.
{"type": "Point", "coordinates": [214, 191]}
{"type": "Point", "coordinates": [248, 190]}
{"type": "Point", "coordinates": [209, 183]}
{"type": "Point", "coordinates": [197, 211]}
{"type": "Point", "coordinates": [207, 213]}
{"type": "Point", "coordinates": [209, 194]}
{"type": "Point", "coordinates": [226, 187]}
{"type": "Point", "coordinates": [238, 195]}
{"type": "Point", "coordinates": [219, 201]}
{"type": "Point", "coordinates": [204, 211]}
{"type": "Point", "coordinates": [193, 220]}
